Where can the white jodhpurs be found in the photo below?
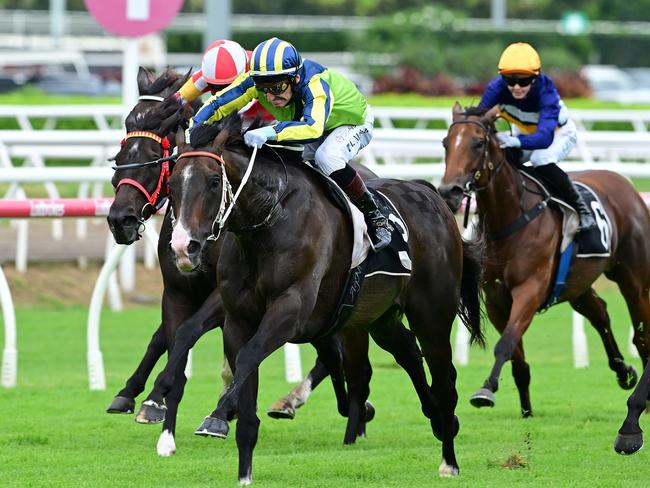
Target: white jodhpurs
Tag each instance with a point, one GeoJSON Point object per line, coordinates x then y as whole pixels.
{"type": "Point", "coordinates": [340, 146]}
{"type": "Point", "coordinates": [564, 140]}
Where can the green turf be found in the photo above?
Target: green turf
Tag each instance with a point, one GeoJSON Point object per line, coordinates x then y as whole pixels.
{"type": "Point", "coordinates": [55, 432]}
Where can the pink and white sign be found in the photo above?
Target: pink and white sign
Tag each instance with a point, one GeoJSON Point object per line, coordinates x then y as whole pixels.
{"type": "Point", "coordinates": [133, 18]}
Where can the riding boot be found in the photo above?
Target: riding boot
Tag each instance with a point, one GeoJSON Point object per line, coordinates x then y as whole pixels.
{"type": "Point", "coordinates": [566, 190]}
{"type": "Point", "coordinates": [379, 228]}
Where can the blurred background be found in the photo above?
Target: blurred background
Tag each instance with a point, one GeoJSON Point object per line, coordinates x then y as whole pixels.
{"type": "Point", "coordinates": [596, 48]}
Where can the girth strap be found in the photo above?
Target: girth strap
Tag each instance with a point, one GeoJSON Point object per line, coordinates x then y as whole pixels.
{"type": "Point", "coordinates": [519, 222]}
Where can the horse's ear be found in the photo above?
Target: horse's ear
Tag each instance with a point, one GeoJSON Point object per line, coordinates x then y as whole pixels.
{"type": "Point", "coordinates": [180, 138]}
{"type": "Point", "coordinates": [456, 111]}
{"type": "Point", "coordinates": [145, 78]}
{"type": "Point", "coordinates": [492, 114]}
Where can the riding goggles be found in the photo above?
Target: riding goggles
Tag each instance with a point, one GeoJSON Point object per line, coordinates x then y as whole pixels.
{"type": "Point", "coordinates": [277, 89]}
{"type": "Point", "coordinates": [522, 81]}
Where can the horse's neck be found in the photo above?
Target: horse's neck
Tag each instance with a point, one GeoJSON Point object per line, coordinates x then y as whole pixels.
{"type": "Point", "coordinates": [499, 203]}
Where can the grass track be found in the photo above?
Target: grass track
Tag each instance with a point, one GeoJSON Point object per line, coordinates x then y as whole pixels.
{"type": "Point", "coordinates": [54, 432]}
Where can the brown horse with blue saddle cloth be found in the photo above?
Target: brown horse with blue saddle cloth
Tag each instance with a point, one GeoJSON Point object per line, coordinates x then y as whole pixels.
{"type": "Point", "coordinates": [533, 259]}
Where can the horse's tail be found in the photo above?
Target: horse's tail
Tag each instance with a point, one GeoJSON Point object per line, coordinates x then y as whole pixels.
{"type": "Point", "coordinates": [469, 308]}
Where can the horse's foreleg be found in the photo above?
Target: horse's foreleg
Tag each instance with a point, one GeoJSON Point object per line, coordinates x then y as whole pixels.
{"type": "Point", "coordinates": [526, 300]}
{"type": "Point", "coordinates": [358, 373]}
{"type": "Point", "coordinates": [276, 329]}
{"type": "Point", "coordinates": [124, 401]}
{"type": "Point", "coordinates": [166, 444]}
{"type": "Point", "coordinates": [247, 428]}
{"type": "Point", "coordinates": [594, 309]}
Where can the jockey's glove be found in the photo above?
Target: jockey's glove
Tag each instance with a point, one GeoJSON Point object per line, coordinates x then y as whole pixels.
{"type": "Point", "coordinates": [257, 137]}
{"type": "Point", "coordinates": [506, 140]}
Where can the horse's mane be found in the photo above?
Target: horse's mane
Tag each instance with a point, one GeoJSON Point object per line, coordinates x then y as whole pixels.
{"type": "Point", "coordinates": [203, 135]}
{"type": "Point", "coordinates": [170, 78]}
{"type": "Point", "coordinates": [513, 154]}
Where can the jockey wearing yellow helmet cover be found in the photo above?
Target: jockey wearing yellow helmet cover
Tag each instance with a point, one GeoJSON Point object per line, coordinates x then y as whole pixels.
{"type": "Point", "coordinates": [540, 121]}
{"type": "Point", "coordinates": [315, 106]}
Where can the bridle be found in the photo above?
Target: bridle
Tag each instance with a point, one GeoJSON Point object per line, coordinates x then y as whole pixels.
{"type": "Point", "coordinates": [163, 178]}
{"type": "Point", "coordinates": [526, 215]}
{"type": "Point", "coordinates": [228, 199]}
{"type": "Point", "coordinates": [485, 161]}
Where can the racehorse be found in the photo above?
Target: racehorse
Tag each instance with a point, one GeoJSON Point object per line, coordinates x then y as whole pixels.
{"type": "Point", "coordinates": [523, 238]}
{"type": "Point", "coordinates": [284, 258]}
{"type": "Point", "coordinates": [191, 305]}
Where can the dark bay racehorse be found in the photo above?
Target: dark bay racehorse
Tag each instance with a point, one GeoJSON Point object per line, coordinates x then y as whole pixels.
{"type": "Point", "coordinates": [520, 266]}
{"type": "Point", "coordinates": [191, 305]}
{"type": "Point", "coordinates": [286, 253]}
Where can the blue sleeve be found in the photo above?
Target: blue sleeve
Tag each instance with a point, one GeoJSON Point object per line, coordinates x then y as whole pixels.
{"type": "Point", "coordinates": [492, 94]}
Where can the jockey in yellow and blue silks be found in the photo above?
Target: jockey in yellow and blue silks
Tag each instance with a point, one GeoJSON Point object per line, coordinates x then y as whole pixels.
{"type": "Point", "coordinates": [539, 119]}
{"type": "Point", "coordinates": [315, 106]}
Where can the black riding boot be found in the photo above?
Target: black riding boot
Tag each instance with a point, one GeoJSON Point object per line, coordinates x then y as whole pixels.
{"type": "Point", "coordinates": [567, 191]}
{"type": "Point", "coordinates": [379, 228]}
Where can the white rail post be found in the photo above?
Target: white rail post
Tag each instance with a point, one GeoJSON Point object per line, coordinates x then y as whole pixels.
{"type": "Point", "coordinates": [96, 378]}
{"type": "Point", "coordinates": [580, 349]}
{"type": "Point", "coordinates": [292, 363]}
{"type": "Point", "coordinates": [9, 353]}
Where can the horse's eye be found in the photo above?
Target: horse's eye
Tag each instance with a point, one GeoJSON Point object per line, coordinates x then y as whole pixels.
{"type": "Point", "coordinates": [215, 181]}
{"type": "Point", "coordinates": [479, 144]}
{"type": "Point", "coordinates": [444, 143]}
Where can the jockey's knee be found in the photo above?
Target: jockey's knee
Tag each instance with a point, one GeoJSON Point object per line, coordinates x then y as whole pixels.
{"type": "Point", "coordinates": [329, 161]}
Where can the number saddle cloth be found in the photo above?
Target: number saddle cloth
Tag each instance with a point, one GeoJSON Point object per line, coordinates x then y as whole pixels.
{"type": "Point", "coordinates": [595, 242]}
{"type": "Point", "coordinates": [392, 260]}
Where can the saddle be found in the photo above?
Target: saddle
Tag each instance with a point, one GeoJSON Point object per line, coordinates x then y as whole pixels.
{"type": "Point", "coordinates": [392, 260]}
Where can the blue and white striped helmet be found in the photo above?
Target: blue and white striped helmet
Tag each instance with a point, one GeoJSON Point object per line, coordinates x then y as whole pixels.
{"type": "Point", "coordinates": [275, 57]}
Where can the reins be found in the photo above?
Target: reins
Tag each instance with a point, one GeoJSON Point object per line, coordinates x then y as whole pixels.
{"type": "Point", "coordinates": [525, 216]}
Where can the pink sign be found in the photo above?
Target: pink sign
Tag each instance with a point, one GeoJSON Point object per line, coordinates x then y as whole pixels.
{"type": "Point", "coordinates": [133, 18]}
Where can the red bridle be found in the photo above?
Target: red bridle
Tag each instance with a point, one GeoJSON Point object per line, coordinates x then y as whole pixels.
{"type": "Point", "coordinates": [164, 167]}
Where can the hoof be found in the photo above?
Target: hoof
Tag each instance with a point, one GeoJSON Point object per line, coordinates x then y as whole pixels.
{"type": "Point", "coordinates": [121, 404]}
{"type": "Point", "coordinates": [151, 413]}
{"type": "Point", "coordinates": [213, 427]}
{"type": "Point", "coordinates": [447, 471]}
{"type": "Point", "coordinates": [370, 411]}
{"type": "Point", "coordinates": [482, 398]}
{"type": "Point", "coordinates": [281, 409]}
{"type": "Point", "coordinates": [628, 443]}
{"type": "Point", "coordinates": [166, 445]}
{"type": "Point", "coordinates": [629, 378]}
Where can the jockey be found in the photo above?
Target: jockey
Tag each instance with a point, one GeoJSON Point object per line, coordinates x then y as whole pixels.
{"type": "Point", "coordinates": [540, 121]}
{"type": "Point", "coordinates": [317, 107]}
{"type": "Point", "coordinates": [222, 62]}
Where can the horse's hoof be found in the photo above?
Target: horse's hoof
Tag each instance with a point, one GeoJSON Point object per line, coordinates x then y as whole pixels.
{"type": "Point", "coordinates": [121, 404]}
{"type": "Point", "coordinates": [628, 443]}
{"type": "Point", "coordinates": [482, 398]}
{"type": "Point", "coordinates": [281, 409]}
{"type": "Point", "coordinates": [151, 413]}
{"type": "Point", "coordinates": [213, 427]}
{"type": "Point", "coordinates": [629, 379]}
{"type": "Point", "coordinates": [447, 471]}
{"type": "Point", "coordinates": [370, 411]}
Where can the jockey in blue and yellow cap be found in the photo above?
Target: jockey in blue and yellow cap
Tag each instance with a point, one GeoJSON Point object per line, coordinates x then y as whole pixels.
{"type": "Point", "coordinates": [539, 119]}
{"type": "Point", "coordinates": [314, 106]}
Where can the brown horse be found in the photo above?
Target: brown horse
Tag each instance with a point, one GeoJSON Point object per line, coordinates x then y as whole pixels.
{"type": "Point", "coordinates": [521, 264]}
{"type": "Point", "coordinates": [285, 256]}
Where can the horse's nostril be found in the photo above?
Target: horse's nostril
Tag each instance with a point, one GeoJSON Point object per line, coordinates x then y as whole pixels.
{"type": "Point", "coordinates": [193, 248]}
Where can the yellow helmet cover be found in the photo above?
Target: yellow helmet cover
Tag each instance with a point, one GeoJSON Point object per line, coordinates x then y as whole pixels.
{"type": "Point", "coordinates": [520, 58]}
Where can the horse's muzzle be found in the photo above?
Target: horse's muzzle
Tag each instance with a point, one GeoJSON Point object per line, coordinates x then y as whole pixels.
{"type": "Point", "coordinates": [124, 227]}
{"type": "Point", "coordinates": [453, 195]}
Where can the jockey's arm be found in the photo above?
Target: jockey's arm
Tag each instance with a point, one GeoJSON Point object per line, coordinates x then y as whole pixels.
{"type": "Point", "coordinates": [233, 98]}
{"type": "Point", "coordinates": [548, 122]}
{"type": "Point", "coordinates": [311, 126]}
{"type": "Point", "coordinates": [192, 88]}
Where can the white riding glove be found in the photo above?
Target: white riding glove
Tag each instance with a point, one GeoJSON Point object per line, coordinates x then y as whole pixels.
{"type": "Point", "coordinates": [506, 140]}
{"type": "Point", "coordinates": [257, 137]}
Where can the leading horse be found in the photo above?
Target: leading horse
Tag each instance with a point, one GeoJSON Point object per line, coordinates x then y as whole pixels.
{"type": "Point", "coordinates": [286, 254]}
{"type": "Point", "coordinates": [521, 259]}
{"type": "Point", "coordinates": [191, 304]}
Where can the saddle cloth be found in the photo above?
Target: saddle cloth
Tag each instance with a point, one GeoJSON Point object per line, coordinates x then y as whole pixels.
{"type": "Point", "coordinates": [595, 242]}
{"type": "Point", "coordinates": [392, 260]}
